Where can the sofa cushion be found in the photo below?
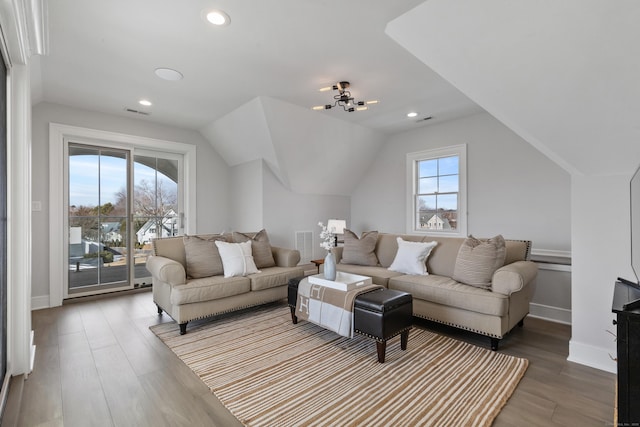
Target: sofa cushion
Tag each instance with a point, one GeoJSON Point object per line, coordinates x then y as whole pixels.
{"type": "Point", "coordinates": [379, 275]}
{"type": "Point", "coordinates": [236, 258]}
{"type": "Point", "coordinates": [273, 277]}
{"type": "Point", "coordinates": [478, 259]}
{"type": "Point", "coordinates": [411, 257]}
{"type": "Point", "coordinates": [260, 247]}
{"type": "Point", "coordinates": [202, 256]}
{"type": "Point", "coordinates": [209, 288]}
{"type": "Point", "coordinates": [446, 291]}
{"type": "Point", "coordinates": [360, 251]}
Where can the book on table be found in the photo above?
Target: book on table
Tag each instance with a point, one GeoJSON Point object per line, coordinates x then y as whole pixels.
{"type": "Point", "coordinates": [344, 281]}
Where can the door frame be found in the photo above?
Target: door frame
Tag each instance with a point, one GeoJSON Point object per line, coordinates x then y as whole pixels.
{"type": "Point", "coordinates": [59, 135]}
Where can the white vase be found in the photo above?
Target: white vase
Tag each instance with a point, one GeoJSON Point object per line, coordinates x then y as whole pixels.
{"type": "Point", "coordinates": [330, 267]}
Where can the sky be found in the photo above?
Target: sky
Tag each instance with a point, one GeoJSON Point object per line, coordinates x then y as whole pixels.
{"type": "Point", "coordinates": [84, 173]}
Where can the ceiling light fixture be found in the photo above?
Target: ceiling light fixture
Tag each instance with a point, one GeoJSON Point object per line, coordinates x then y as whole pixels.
{"type": "Point", "coordinates": [169, 74]}
{"type": "Point", "coordinates": [145, 102]}
{"type": "Point", "coordinates": [344, 99]}
{"type": "Point", "coordinates": [218, 17]}
{"type": "Point", "coordinates": [412, 114]}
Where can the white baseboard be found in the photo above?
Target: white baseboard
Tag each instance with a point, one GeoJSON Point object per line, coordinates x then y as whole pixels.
{"type": "Point", "coordinates": [38, 303]}
{"type": "Point", "coordinates": [547, 312]}
{"type": "Point", "coordinates": [595, 357]}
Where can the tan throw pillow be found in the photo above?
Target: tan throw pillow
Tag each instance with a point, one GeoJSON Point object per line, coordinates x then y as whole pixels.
{"type": "Point", "coordinates": [260, 247]}
{"type": "Point", "coordinates": [359, 251]}
{"type": "Point", "coordinates": [478, 259]}
{"type": "Point", "coordinates": [202, 256]}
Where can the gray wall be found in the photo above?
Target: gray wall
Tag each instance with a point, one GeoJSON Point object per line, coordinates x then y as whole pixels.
{"type": "Point", "coordinates": [246, 196]}
{"type": "Point", "coordinates": [286, 212]}
{"type": "Point", "coordinates": [259, 200]}
{"type": "Point", "coordinates": [212, 174]}
{"type": "Point", "coordinates": [513, 189]}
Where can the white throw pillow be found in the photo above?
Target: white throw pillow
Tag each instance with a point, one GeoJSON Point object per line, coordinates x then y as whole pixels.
{"type": "Point", "coordinates": [236, 258]}
{"type": "Point", "coordinates": [411, 257]}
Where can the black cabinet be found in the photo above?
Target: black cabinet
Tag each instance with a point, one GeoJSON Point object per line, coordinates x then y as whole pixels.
{"type": "Point", "coordinates": [628, 342]}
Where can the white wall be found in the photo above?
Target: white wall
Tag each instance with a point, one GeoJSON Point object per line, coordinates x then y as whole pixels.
{"type": "Point", "coordinates": [246, 196]}
{"type": "Point", "coordinates": [212, 174]}
{"type": "Point", "coordinates": [286, 212]}
{"type": "Point", "coordinates": [513, 189]}
{"type": "Point", "coordinates": [601, 253]}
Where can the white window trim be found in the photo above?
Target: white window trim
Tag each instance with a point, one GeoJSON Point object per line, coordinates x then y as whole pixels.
{"type": "Point", "coordinates": [412, 158]}
{"type": "Point", "coordinates": [58, 135]}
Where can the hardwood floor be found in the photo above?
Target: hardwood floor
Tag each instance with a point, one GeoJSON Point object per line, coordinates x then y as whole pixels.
{"type": "Point", "coordinates": [98, 364]}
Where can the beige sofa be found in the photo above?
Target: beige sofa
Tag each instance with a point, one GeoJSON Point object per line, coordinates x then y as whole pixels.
{"type": "Point", "coordinates": [186, 299]}
{"type": "Point", "coordinates": [492, 312]}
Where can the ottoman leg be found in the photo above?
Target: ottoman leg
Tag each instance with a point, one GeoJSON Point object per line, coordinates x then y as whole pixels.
{"type": "Point", "coordinates": [381, 346]}
{"type": "Point", "coordinates": [404, 338]}
{"type": "Point", "coordinates": [294, 318]}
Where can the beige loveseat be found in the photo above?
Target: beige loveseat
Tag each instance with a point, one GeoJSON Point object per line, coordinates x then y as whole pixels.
{"type": "Point", "coordinates": [186, 299]}
{"type": "Point", "coordinates": [492, 312]}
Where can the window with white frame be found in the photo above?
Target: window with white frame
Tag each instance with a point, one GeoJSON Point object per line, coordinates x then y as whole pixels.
{"type": "Point", "coordinates": [436, 191]}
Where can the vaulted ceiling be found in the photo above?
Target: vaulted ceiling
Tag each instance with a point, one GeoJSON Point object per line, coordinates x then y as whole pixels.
{"type": "Point", "coordinates": [242, 80]}
{"type": "Point", "coordinates": [561, 74]}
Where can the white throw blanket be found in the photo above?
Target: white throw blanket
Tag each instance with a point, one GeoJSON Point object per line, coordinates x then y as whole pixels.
{"type": "Point", "coordinates": [330, 308]}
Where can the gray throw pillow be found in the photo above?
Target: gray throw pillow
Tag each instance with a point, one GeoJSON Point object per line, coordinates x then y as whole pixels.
{"type": "Point", "coordinates": [360, 251]}
{"type": "Point", "coordinates": [202, 256]}
{"type": "Point", "coordinates": [478, 259]}
{"type": "Point", "coordinates": [260, 247]}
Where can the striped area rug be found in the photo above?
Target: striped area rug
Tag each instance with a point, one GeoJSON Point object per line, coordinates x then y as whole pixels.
{"type": "Point", "coordinates": [269, 372]}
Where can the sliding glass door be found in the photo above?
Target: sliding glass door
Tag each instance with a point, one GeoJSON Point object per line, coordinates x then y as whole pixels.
{"type": "Point", "coordinates": [118, 201]}
{"type": "Point", "coordinates": [157, 201]}
{"type": "Point", "coordinates": [98, 218]}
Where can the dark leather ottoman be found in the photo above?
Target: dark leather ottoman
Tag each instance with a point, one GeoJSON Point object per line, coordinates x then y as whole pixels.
{"type": "Point", "coordinates": [380, 314]}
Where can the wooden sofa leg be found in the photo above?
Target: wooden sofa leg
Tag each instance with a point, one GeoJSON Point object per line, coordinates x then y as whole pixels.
{"type": "Point", "coordinates": [159, 309]}
{"type": "Point", "coordinates": [294, 318]}
{"type": "Point", "coordinates": [494, 343]}
{"type": "Point", "coordinates": [521, 323]}
{"type": "Point", "coordinates": [183, 328]}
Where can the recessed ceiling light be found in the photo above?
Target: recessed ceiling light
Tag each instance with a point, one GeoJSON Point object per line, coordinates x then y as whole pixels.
{"type": "Point", "coordinates": [218, 17]}
{"type": "Point", "coordinates": [168, 74]}
{"type": "Point", "coordinates": [412, 114]}
{"type": "Point", "coordinates": [145, 102]}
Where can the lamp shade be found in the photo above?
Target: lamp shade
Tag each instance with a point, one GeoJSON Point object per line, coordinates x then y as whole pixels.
{"type": "Point", "coordinates": [336, 226]}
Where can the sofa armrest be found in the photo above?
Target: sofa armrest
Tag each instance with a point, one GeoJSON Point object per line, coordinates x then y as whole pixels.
{"type": "Point", "coordinates": [513, 277]}
{"type": "Point", "coordinates": [285, 257]}
{"type": "Point", "coordinates": [167, 270]}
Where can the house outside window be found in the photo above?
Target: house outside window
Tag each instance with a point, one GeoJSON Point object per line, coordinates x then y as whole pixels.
{"type": "Point", "coordinates": [436, 191]}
